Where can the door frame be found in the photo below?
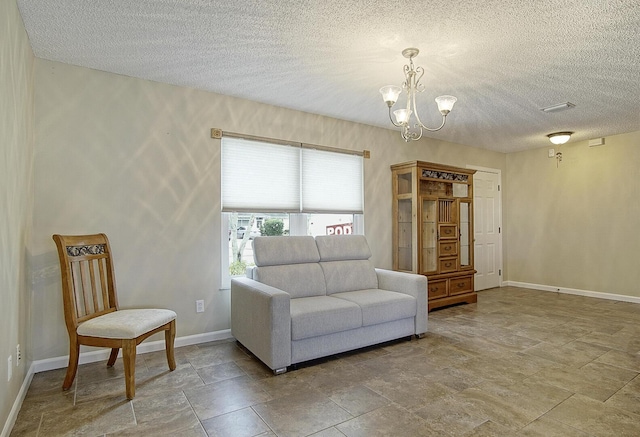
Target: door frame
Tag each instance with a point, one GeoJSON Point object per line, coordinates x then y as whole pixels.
{"type": "Point", "coordinates": [500, 251]}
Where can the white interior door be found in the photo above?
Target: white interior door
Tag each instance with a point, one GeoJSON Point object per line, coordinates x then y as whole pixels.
{"type": "Point", "coordinates": [487, 225]}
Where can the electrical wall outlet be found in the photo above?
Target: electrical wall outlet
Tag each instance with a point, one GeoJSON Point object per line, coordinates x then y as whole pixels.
{"type": "Point", "coordinates": [552, 153]}
{"type": "Point", "coordinates": [9, 368]}
{"type": "Point", "coordinates": [199, 306]}
{"type": "Point", "coordinates": [18, 355]}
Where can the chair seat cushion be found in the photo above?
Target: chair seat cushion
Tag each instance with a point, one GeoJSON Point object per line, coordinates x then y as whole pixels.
{"type": "Point", "coordinates": [321, 315]}
{"type": "Point", "coordinates": [380, 306]}
{"type": "Point", "coordinates": [125, 324]}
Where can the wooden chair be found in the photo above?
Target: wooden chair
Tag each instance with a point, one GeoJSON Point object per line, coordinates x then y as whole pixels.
{"type": "Point", "coordinates": [91, 310]}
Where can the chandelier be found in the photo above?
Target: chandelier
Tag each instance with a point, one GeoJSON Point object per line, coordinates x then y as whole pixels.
{"type": "Point", "coordinates": [412, 85]}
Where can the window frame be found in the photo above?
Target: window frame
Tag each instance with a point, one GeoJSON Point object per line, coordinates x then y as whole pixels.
{"type": "Point", "coordinates": [297, 219]}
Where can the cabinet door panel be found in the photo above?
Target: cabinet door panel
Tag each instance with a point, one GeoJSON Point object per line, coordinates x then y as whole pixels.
{"type": "Point", "coordinates": [429, 236]}
{"type": "Point", "coordinates": [466, 231]}
{"type": "Point", "coordinates": [429, 260]}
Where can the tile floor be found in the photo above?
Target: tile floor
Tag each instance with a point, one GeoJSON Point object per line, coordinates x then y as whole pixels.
{"type": "Point", "coordinates": [518, 363]}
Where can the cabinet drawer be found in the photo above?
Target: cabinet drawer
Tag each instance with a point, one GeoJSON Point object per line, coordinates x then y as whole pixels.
{"type": "Point", "coordinates": [448, 265]}
{"type": "Point", "coordinates": [448, 232]}
{"type": "Point", "coordinates": [460, 285]}
{"type": "Point", "coordinates": [437, 289]}
{"type": "Point", "coordinates": [448, 248]}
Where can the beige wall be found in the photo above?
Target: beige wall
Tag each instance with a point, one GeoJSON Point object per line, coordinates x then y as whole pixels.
{"type": "Point", "coordinates": [576, 225]}
{"type": "Point", "coordinates": [134, 159]}
{"type": "Point", "coordinates": [16, 198]}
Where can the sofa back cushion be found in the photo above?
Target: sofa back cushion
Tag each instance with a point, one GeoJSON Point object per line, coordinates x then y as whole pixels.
{"type": "Point", "coordinates": [299, 280]}
{"type": "Point", "coordinates": [342, 247]}
{"type": "Point", "coordinates": [290, 264]}
{"type": "Point", "coordinates": [345, 263]}
{"type": "Point", "coordinates": [276, 251]}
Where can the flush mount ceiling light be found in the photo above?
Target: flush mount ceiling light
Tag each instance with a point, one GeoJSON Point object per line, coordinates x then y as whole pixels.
{"type": "Point", "coordinates": [412, 85]}
{"type": "Point", "coordinates": [559, 137]}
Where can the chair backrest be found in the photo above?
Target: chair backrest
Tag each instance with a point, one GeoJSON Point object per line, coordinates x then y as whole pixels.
{"type": "Point", "coordinates": [88, 280]}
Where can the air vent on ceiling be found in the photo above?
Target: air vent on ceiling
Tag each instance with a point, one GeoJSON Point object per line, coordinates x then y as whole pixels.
{"type": "Point", "coordinates": [558, 107]}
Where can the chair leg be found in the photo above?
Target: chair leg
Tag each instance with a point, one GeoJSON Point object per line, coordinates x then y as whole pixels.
{"type": "Point", "coordinates": [72, 368]}
{"type": "Point", "coordinates": [113, 356]}
{"type": "Point", "coordinates": [129, 359]}
{"type": "Point", "coordinates": [169, 338]}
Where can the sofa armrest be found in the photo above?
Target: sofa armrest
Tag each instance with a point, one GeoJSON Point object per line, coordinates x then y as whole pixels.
{"type": "Point", "coordinates": [411, 284]}
{"type": "Point", "coordinates": [261, 321]}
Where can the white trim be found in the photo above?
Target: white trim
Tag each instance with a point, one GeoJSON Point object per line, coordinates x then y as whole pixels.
{"type": "Point", "coordinates": [99, 355]}
{"type": "Point", "coordinates": [575, 291]}
{"type": "Point", "coordinates": [13, 414]}
{"type": "Point", "coordinates": [298, 223]}
{"type": "Point", "coordinates": [485, 169]}
{"type": "Point", "coordinates": [225, 275]}
{"type": "Point", "coordinates": [151, 346]}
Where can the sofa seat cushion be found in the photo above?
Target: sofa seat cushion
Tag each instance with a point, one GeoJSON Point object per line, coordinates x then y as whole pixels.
{"type": "Point", "coordinates": [321, 315]}
{"type": "Point", "coordinates": [380, 306]}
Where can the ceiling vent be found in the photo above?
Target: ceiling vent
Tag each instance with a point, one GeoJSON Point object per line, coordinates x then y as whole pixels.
{"type": "Point", "coordinates": [558, 107]}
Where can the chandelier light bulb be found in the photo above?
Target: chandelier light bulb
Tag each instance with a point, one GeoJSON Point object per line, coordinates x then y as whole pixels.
{"type": "Point", "coordinates": [390, 94]}
{"type": "Point", "coordinates": [402, 116]}
{"type": "Point", "coordinates": [445, 104]}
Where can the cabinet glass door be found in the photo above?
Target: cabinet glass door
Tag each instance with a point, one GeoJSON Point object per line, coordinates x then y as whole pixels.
{"type": "Point", "coordinates": [429, 236]}
{"type": "Point", "coordinates": [405, 235]}
{"type": "Point", "coordinates": [465, 234]}
{"type": "Point", "coordinates": [404, 256]}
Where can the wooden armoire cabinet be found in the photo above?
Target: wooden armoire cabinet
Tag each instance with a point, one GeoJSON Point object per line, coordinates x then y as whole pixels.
{"type": "Point", "coordinates": [433, 228]}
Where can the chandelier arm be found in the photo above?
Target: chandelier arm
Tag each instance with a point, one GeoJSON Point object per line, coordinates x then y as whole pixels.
{"type": "Point", "coordinates": [391, 118]}
{"type": "Point", "coordinates": [422, 126]}
{"type": "Point", "coordinates": [444, 120]}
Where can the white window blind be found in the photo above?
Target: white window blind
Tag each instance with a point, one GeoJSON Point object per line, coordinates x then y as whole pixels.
{"type": "Point", "coordinates": [260, 176]}
{"type": "Point", "coordinates": [331, 182]}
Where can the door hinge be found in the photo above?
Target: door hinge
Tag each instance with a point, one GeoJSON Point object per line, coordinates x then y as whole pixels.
{"type": "Point", "coordinates": [499, 272]}
{"type": "Point", "coordinates": [498, 187]}
{"type": "Point", "coordinates": [499, 230]}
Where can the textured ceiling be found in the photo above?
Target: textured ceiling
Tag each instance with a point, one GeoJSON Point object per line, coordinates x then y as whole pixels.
{"type": "Point", "coordinates": [503, 60]}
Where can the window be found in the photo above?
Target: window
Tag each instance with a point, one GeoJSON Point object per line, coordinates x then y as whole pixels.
{"type": "Point", "coordinates": [271, 188]}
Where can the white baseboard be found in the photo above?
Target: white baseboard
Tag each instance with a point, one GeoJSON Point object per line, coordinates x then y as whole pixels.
{"type": "Point", "coordinates": [13, 414]}
{"type": "Point", "coordinates": [587, 293]}
{"type": "Point", "coordinates": [99, 355]}
{"type": "Point", "coordinates": [151, 346]}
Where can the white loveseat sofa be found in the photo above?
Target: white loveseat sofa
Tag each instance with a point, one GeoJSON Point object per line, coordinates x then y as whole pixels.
{"type": "Point", "coordinates": [309, 298]}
